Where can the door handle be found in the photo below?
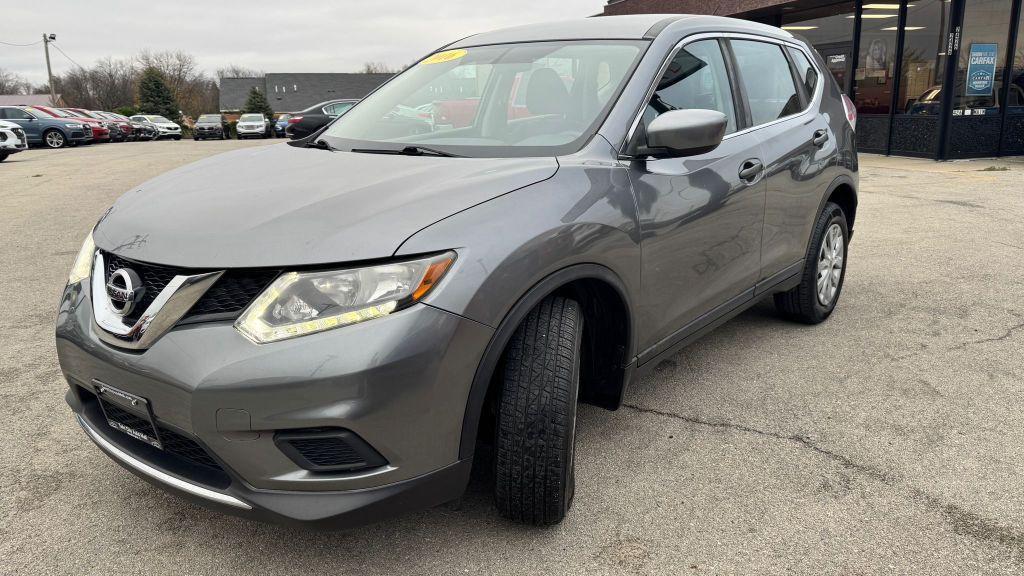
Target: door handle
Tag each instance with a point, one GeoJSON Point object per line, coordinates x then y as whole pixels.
{"type": "Point", "coordinates": [750, 169]}
{"type": "Point", "coordinates": [819, 138]}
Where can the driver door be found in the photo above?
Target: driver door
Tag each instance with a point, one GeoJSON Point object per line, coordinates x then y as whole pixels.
{"type": "Point", "coordinates": [701, 216]}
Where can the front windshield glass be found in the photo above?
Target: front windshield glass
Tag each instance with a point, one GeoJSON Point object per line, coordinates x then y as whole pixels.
{"type": "Point", "coordinates": [209, 118]}
{"type": "Point", "coordinates": [158, 119]}
{"type": "Point", "coordinates": [527, 99]}
{"type": "Point", "coordinates": [251, 118]}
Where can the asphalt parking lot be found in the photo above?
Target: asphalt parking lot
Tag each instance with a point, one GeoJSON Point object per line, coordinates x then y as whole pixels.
{"type": "Point", "coordinates": [888, 440]}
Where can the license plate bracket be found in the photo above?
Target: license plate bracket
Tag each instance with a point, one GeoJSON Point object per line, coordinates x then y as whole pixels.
{"type": "Point", "coordinates": [128, 413]}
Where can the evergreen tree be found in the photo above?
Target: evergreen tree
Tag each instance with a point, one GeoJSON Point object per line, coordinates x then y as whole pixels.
{"type": "Point", "coordinates": [155, 97]}
{"type": "Point", "coordinates": [257, 103]}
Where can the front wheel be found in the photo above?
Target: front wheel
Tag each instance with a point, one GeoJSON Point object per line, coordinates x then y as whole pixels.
{"type": "Point", "coordinates": [814, 299]}
{"type": "Point", "coordinates": [177, 138]}
{"type": "Point", "coordinates": [54, 139]}
{"type": "Point", "coordinates": [535, 436]}
{"type": "Point", "coordinates": [4, 155]}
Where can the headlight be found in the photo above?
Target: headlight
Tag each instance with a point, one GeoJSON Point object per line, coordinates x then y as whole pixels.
{"type": "Point", "coordinates": [83, 262]}
{"type": "Point", "coordinates": [73, 125]}
{"type": "Point", "coordinates": [300, 303]}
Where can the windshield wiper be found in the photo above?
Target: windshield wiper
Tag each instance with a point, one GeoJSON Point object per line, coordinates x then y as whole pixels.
{"type": "Point", "coordinates": [408, 151]}
{"type": "Point", "coordinates": [321, 145]}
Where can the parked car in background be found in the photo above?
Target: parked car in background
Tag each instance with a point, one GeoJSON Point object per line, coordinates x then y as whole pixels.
{"type": "Point", "coordinates": [330, 340]}
{"type": "Point", "coordinates": [144, 130]}
{"type": "Point", "coordinates": [280, 124]}
{"type": "Point", "coordinates": [114, 132]}
{"type": "Point", "coordinates": [123, 124]}
{"type": "Point", "coordinates": [100, 131]}
{"type": "Point", "coordinates": [316, 117]}
{"type": "Point", "coordinates": [165, 128]}
{"type": "Point", "coordinates": [46, 130]}
{"type": "Point", "coordinates": [211, 126]}
{"type": "Point", "coordinates": [12, 139]}
{"type": "Point", "coordinates": [252, 126]}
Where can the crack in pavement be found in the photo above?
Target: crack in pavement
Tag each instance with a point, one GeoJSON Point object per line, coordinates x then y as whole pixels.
{"type": "Point", "coordinates": [1009, 333]}
{"type": "Point", "coordinates": [962, 521]}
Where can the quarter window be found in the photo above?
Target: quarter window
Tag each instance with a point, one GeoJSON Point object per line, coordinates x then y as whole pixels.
{"type": "Point", "coordinates": [767, 80]}
{"type": "Point", "coordinates": [696, 78]}
{"type": "Point", "coordinates": [806, 74]}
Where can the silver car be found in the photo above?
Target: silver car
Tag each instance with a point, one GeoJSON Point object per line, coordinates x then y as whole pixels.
{"type": "Point", "coordinates": [330, 338]}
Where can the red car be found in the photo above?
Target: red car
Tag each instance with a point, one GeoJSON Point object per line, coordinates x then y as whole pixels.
{"type": "Point", "coordinates": [118, 133]}
{"type": "Point", "coordinates": [100, 130]}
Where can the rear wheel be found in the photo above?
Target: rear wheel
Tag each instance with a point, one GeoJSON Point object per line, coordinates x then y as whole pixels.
{"type": "Point", "coordinates": [54, 139]}
{"type": "Point", "coordinates": [535, 435]}
{"type": "Point", "coordinates": [814, 299]}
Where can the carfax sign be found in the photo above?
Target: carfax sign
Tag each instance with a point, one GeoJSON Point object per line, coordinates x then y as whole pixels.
{"type": "Point", "coordinates": [981, 69]}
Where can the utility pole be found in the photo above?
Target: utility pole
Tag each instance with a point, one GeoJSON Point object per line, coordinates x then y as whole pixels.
{"type": "Point", "coordinates": [47, 38]}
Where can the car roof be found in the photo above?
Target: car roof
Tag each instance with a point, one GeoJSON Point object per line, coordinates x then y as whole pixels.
{"type": "Point", "coordinates": [631, 27]}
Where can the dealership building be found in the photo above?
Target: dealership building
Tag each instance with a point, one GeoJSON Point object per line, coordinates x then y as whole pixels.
{"type": "Point", "coordinates": [937, 79]}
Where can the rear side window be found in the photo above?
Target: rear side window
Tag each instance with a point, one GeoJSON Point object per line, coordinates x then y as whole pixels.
{"type": "Point", "coordinates": [767, 80]}
{"type": "Point", "coordinates": [806, 73]}
{"type": "Point", "coordinates": [695, 78]}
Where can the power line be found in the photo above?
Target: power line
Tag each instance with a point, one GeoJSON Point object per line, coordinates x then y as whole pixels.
{"type": "Point", "coordinates": [54, 44]}
{"type": "Point", "coordinates": [21, 45]}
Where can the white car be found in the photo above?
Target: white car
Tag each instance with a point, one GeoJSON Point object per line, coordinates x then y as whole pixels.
{"type": "Point", "coordinates": [165, 127]}
{"type": "Point", "coordinates": [12, 139]}
{"type": "Point", "coordinates": [252, 125]}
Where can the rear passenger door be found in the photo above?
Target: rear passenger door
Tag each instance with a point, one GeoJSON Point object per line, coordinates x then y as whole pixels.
{"type": "Point", "coordinates": [701, 215]}
{"type": "Point", "coordinates": [783, 91]}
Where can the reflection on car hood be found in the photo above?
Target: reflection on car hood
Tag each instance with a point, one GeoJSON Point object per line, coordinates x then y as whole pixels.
{"type": "Point", "coordinates": [282, 205]}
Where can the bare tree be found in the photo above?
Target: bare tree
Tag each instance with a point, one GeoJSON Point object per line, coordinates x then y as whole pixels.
{"type": "Point", "coordinates": [112, 83]}
{"type": "Point", "coordinates": [236, 71]}
{"type": "Point", "coordinates": [378, 68]}
{"type": "Point", "coordinates": [11, 83]}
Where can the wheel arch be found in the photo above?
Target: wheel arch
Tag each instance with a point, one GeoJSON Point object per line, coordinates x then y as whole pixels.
{"type": "Point", "coordinates": [843, 192]}
{"type": "Point", "coordinates": [607, 341]}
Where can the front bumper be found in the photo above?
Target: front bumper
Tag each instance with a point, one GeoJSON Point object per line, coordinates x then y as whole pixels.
{"type": "Point", "coordinates": [400, 383]}
{"type": "Point", "coordinates": [11, 141]}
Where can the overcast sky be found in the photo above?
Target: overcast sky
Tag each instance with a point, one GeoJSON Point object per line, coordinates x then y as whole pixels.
{"type": "Point", "coordinates": [273, 36]}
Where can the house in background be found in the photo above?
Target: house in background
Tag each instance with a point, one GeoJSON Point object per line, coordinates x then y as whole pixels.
{"type": "Point", "coordinates": [30, 100]}
{"type": "Point", "coordinates": [291, 92]}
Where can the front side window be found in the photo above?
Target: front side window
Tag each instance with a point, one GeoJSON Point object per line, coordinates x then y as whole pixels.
{"type": "Point", "coordinates": [767, 80]}
{"type": "Point", "coordinates": [695, 78]}
{"type": "Point", "coordinates": [524, 99]}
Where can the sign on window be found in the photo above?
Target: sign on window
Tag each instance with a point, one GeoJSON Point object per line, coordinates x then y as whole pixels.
{"type": "Point", "coordinates": [981, 69]}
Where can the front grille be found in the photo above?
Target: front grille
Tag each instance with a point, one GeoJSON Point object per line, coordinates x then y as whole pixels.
{"type": "Point", "coordinates": [224, 300]}
{"type": "Point", "coordinates": [233, 292]}
{"type": "Point", "coordinates": [154, 279]}
{"type": "Point", "coordinates": [182, 446]}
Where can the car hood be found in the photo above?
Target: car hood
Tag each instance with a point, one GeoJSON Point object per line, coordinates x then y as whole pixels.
{"type": "Point", "coordinates": [282, 205]}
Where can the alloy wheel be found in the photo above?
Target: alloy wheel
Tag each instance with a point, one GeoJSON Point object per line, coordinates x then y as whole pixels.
{"type": "Point", "coordinates": [55, 139]}
{"type": "Point", "coordinates": [830, 264]}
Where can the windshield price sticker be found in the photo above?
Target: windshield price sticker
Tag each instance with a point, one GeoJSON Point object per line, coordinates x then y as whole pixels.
{"type": "Point", "coordinates": [446, 56]}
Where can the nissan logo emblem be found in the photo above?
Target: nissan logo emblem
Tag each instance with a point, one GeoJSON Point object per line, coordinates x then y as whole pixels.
{"type": "Point", "coordinates": [124, 290]}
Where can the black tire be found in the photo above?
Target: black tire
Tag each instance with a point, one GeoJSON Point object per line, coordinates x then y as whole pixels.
{"type": "Point", "coordinates": [176, 138]}
{"type": "Point", "coordinates": [4, 155]}
{"type": "Point", "coordinates": [196, 138]}
{"type": "Point", "coordinates": [802, 303]}
{"type": "Point", "coordinates": [535, 432]}
{"type": "Point", "coordinates": [54, 138]}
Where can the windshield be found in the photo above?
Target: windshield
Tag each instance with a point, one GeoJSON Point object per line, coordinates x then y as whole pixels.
{"type": "Point", "coordinates": [527, 99]}
{"type": "Point", "coordinates": [54, 112]}
{"type": "Point", "coordinates": [251, 118]}
{"type": "Point", "coordinates": [158, 119]}
{"type": "Point", "coordinates": [209, 118]}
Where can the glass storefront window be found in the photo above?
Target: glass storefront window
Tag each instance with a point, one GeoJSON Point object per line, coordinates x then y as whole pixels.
{"type": "Point", "coordinates": [873, 78]}
{"type": "Point", "coordinates": [1015, 98]}
{"type": "Point", "coordinates": [830, 30]}
{"type": "Point", "coordinates": [982, 57]}
{"type": "Point", "coordinates": [924, 57]}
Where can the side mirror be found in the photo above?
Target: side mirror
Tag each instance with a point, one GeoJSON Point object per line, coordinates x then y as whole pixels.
{"type": "Point", "coordinates": [685, 132]}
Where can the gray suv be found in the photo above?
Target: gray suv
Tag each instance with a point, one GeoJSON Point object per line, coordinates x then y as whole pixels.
{"type": "Point", "coordinates": [329, 339]}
